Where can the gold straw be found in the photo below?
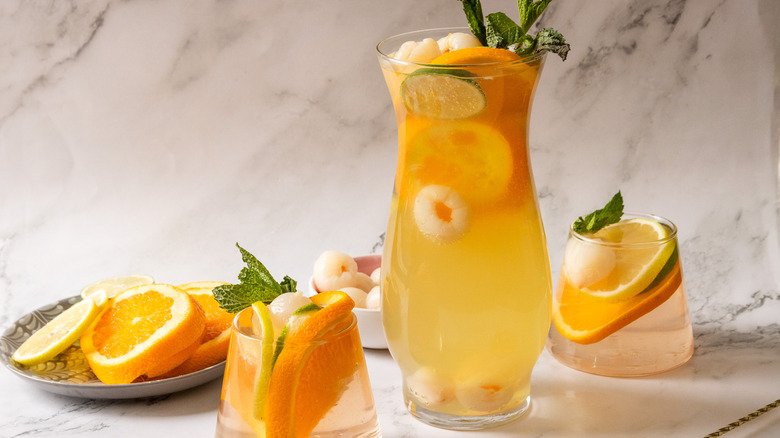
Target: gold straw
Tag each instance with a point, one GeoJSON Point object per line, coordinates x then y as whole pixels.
{"type": "Point", "coordinates": [745, 419]}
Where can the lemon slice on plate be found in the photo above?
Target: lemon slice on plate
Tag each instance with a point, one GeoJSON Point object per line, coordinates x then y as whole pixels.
{"type": "Point", "coordinates": [116, 285]}
{"type": "Point", "coordinates": [61, 332]}
{"type": "Point", "coordinates": [638, 261]}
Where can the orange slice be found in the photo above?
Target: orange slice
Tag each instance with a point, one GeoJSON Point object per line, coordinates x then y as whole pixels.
{"type": "Point", "coordinates": [476, 56]}
{"type": "Point", "coordinates": [472, 158]}
{"type": "Point", "coordinates": [586, 319]}
{"type": "Point", "coordinates": [507, 88]}
{"type": "Point", "coordinates": [308, 379]}
{"type": "Point", "coordinates": [212, 348]}
{"type": "Point", "coordinates": [144, 331]}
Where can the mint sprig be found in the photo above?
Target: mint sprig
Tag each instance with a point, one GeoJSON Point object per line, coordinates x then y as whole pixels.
{"type": "Point", "coordinates": [498, 31]}
{"type": "Point", "coordinates": [610, 214]}
{"type": "Point", "coordinates": [255, 284]}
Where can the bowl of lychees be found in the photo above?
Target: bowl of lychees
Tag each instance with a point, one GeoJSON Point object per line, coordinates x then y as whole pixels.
{"type": "Point", "coordinates": [357, 277]}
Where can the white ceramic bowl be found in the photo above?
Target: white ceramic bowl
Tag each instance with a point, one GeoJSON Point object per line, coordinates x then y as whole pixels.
{"type": "Point", "coordinates": [369, 321]}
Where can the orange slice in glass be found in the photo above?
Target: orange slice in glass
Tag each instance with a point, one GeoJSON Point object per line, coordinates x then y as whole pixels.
{"type": "Point", "coordinates": [508, 87]}
{"type": "Point", "coordinates": [309, 377]}
{"type": "Point", "coordinates": [585, 319]}
{"type": "Point", "coordinates": [476, 56]}
{"type": "Point", "coordinates": [472, 158]}
{"type": "Point", "coordinates": [145, 331]}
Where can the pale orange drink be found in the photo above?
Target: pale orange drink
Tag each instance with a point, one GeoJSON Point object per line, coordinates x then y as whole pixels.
{"type": "Point", "coordinates": [310, 380]}
{"type": "Point", "coordinates": [620, 307]}
{"type": "Point", "coordinates": [465, 276]}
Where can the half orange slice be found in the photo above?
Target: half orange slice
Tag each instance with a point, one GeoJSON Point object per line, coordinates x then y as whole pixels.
{"type": "Point", "coordinates": [308, 376]}
{"type": "Point", "coordinates": [145, 331]}
{"type": "Point", "coordinates": [585, 319]}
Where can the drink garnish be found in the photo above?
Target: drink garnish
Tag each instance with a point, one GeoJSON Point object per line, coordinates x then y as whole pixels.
{"type": "Point", "coordinates": [499, 31]}
{"type": "Point", "coordinates": [255, 284]}
{"type": "Point", "coordinates": [610, 214]}
{"type": "Point", "coordinates": [443, 94]}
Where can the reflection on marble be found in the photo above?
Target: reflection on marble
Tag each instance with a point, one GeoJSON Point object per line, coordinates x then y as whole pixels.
{"type": "Point", "coordinates": [149, 137]}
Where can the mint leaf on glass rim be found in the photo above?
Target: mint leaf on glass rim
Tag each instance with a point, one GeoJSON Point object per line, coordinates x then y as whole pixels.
{"type": "Point", "coordinates": [500, 32]}
{"type": "Point", "coordinates": [255, 284]}
{"type": "Point", "coordinates": [549, 39]}
{"type": "Point", "coordinates": [610, 214]}
{"type": "Point", "coordinates": [530, 11]}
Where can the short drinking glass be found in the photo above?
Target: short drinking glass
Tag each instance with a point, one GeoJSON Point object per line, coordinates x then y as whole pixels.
{"type": "Point", "coordinates": [325, 394]}
{"type": "Point", "coordinates": [620, 308]}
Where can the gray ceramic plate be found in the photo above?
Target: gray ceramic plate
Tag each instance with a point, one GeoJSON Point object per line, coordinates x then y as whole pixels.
{"type": "Point", "coordinates": [69, 374]}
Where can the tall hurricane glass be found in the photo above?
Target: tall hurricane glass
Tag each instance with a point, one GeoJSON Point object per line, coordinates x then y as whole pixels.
{"type": "Point", "coordinates": [465, 277]}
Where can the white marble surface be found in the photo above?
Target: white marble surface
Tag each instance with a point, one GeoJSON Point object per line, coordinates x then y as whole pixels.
{"type": "Point", "coordinates": [149, 137]}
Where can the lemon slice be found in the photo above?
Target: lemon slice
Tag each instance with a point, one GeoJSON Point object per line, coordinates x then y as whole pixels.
{"type": "Point", "coordinates": [638, 259]}
{"type": "Point", "coordinates": [59, 333]}
{"type": "Point", "coordinates": [116, 285]}
{"type": "Point", "coordinates": [443, 94]}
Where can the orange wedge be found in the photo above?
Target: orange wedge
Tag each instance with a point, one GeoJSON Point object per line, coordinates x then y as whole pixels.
{"type": "Point", "coordinates": [585, 319]}
{"type": "Point", "coordinates": [145, 331]}
{"type": "Point", "coordinates": [212, 348]}
{"type": "Point", "coordinates": [307, 378]}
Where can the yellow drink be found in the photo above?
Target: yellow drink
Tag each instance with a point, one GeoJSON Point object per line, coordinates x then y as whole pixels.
{"type": "Point", "coordinates": [465, 276]}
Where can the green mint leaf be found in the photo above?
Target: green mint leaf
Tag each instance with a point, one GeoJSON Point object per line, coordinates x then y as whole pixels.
{"type": "Point", "coordinates": [501, 31]}
{"type": "Point", "coordinates": [255, 284]}
{"type": "Point", "coordinates": [473, 10]}
{"type": "Point", "coordinates": [550, 40]}
{"type": "Point", "coordinates": [237, 297]}
{"type": "Point", "coordinates": [288, 284]}
{"type": "Point", "coordinates": [255, 272]}
{"type": "Point", "coordinates": [610, 214]}
{"type": "Point", "coordinates": [525, 46]}
{"type": "Point", "coordinates": [530, 11]}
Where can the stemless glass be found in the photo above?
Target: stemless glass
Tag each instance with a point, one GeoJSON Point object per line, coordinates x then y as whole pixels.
{"type": "Point", "coordinates": [332, 390]}
{"type": "Point", "coordinates": [465, 277]}
{"type": "Point", "coordinates": [621, 336]}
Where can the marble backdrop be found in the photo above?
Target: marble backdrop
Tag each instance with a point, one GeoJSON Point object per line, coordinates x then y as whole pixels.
{"type": "Point", "coordinates": [151, 136]}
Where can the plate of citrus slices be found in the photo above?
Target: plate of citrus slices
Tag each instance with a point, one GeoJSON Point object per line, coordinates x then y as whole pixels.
{"type": "Point", "coordinates": [123, 337]}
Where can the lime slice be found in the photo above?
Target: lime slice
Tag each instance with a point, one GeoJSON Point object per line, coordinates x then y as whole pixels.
{"type": "Point", "coordinates": [59, 333]}
{"type": "Point", "coordinates": [266, 360]}
{"type": "Point", "coordinates": [116, 285]}
{"type": "Point", "coordinates": [438, 94]}
{"type": "Point", "coordinates": [269, 354]}
{"type": "Point", "coordinates": [636, 264]}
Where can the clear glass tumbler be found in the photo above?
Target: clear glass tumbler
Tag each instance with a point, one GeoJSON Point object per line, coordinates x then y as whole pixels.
{"type": "Point", "coordinates": [326, 394]}
{"type": "Point", "coordinates": [620, 308]}
{"type": "Point", "coordinates": [465, 276]}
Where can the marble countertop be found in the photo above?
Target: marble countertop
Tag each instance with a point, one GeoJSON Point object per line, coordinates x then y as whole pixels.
{"type": "Point", "coordinates": [150, 137]}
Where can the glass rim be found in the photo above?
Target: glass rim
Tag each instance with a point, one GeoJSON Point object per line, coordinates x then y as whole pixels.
{"type": "Point", "coordinates": [631, 215]}
{"type": "Point", "coordinates": [239, 330]}
{"type": "Point", "coordinates": [408, 37]}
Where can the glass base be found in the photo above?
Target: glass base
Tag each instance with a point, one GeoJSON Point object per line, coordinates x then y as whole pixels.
{"type": "Point", "coordinates": [659, 341]}
{"type": "Point", "coordinates": [466, 422]}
